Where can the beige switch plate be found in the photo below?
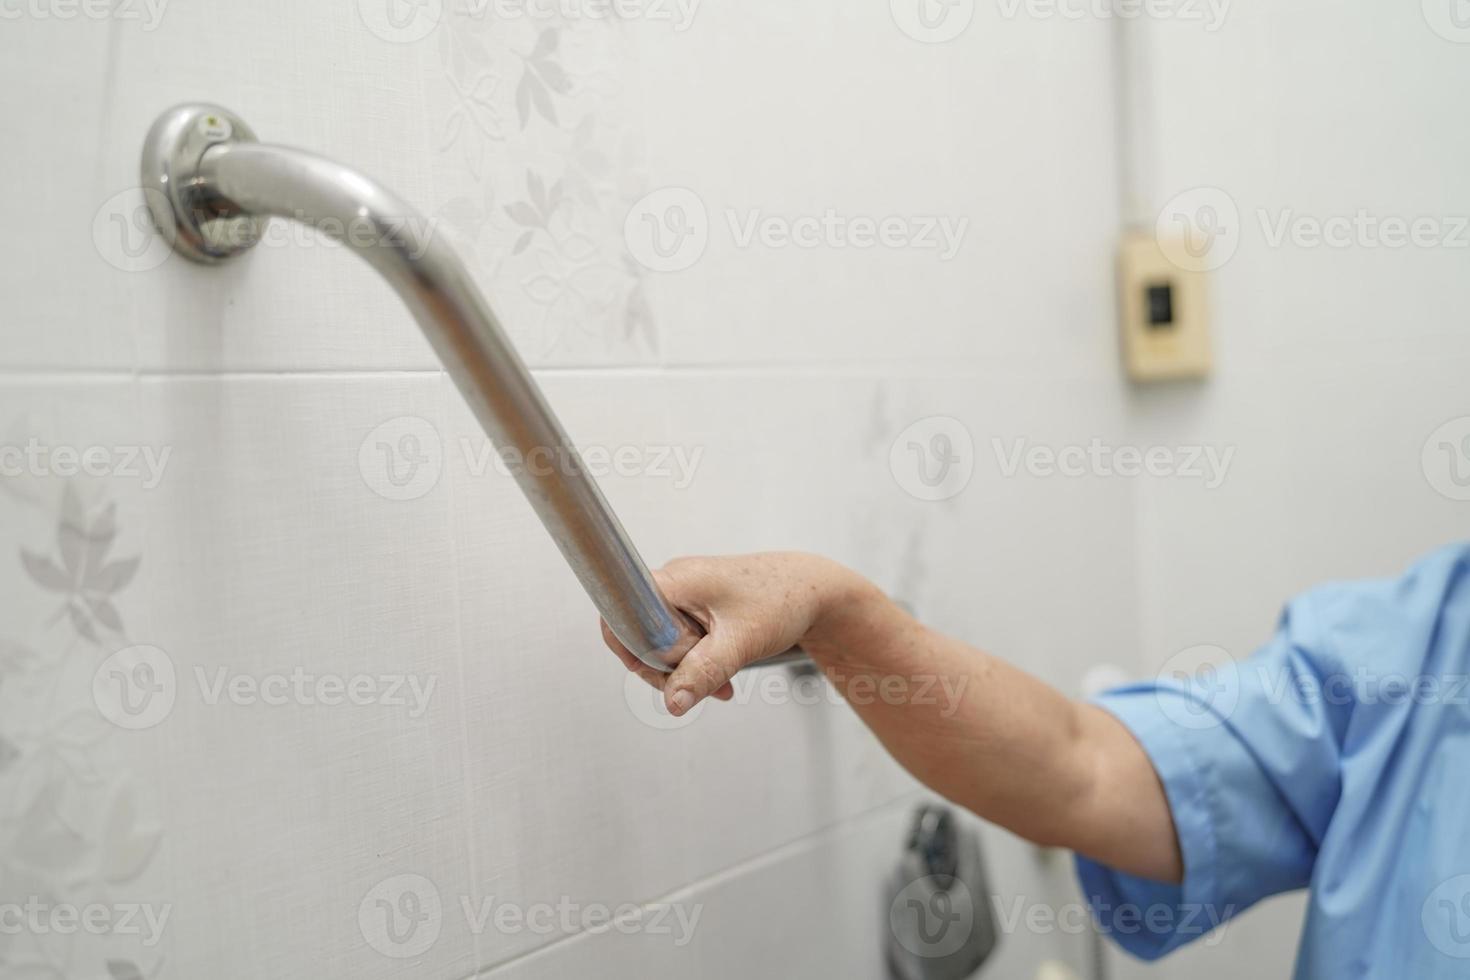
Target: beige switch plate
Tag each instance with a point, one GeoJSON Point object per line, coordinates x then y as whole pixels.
{"type": "Point", "coordinates": [1161, 352]}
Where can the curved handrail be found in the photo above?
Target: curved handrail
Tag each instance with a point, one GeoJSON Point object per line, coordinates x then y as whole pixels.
{"type": "Point", "coordinates": [211, 187]}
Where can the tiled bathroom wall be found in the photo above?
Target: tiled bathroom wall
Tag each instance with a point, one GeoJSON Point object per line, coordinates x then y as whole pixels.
{"type": "Point", "coordinates": [186, 622]}
{"type": "Point", "coordinates": [289, 665]}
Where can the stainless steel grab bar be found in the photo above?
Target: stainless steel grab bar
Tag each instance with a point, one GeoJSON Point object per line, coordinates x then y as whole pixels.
{"type": "Point", "coordinates": [211, 188]}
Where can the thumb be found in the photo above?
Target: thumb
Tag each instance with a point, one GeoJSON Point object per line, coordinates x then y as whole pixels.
{"type": "Point", "coordinates": [705, 670]}
{"type": "Point", "coordinates": [693, 586]}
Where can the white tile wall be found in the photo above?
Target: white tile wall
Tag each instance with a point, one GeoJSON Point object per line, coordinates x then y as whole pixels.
{"type": "Point", "coordinates": [257, 827]}
{"type": "Point", "coordinates": [810, 108]}
{"type": "Point", "coordinates": [289, 531]}
{"type": "Point", "coordinates": [646, 809]}
{"type": "Point", "coordinates": [769, 917]}
{"type": "Point", "coordinates": [287, 840]}
{"type": "Point", "coordinates": [55, 114]}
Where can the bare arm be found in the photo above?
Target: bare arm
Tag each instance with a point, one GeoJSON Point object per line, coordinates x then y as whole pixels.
{"type": "Point", "coordinates": [972, 727]}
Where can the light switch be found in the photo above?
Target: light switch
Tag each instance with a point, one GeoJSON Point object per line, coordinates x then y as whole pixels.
{"type": "Point", "coordinates": [1165, 314]}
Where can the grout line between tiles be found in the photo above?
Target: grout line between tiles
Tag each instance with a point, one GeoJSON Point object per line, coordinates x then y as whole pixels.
{"type": "Point", "coordinates": [898, 368]}
{"type": "Point", "coordinates": [898, 371]}
{"type": "Point", "coordinates": [471, 851]}
{"type": "Point", "coordinates": [952, 368]}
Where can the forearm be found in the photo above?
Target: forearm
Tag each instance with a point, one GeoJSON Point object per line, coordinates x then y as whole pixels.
{"type": "Point", "coordinates": [974, 728]}
{"type": "Point", "coordinates": [994, 739]}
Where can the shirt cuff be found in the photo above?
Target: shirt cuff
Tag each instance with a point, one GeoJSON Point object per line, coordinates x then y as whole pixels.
{"type": "Point", "coordinates": [1149, 918]}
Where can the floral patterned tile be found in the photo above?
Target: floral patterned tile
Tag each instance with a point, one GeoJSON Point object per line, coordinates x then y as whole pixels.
{"type": "Point", "coordinates": [229, 720]}
{"type": "Point", "coordinates": [538, 161]}
{"type": "Point", "coordinates": [80, 829]}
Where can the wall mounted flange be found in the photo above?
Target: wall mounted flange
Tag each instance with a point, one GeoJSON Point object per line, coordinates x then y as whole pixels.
{"type": "Point", "coordinates": [198, 223]}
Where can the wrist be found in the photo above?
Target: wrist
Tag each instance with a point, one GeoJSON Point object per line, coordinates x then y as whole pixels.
{"type": "Point", "coordinates": [847, 606]}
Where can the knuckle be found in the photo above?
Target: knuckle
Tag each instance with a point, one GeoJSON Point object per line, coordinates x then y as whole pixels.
{"type": "Point", "coordinates": [687, 582]}
{"type": "Point", "coordinates": [710, 673]}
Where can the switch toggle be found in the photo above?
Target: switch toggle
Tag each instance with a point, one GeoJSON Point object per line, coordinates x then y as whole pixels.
{"type": "Point", "coordinates": [1160, 305]}
{"type": "Point", "coordinates": [1165, 314]}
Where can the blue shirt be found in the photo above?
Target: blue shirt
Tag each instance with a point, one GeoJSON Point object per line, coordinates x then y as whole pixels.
{"type": "Point", "coordinates": [1337, 759]}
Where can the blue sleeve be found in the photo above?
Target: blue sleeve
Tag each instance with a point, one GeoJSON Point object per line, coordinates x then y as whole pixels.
{"type": "Point", "coordinates": [1252, 776]}
{"type": "Point", "coordinates": [1253, 756]}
